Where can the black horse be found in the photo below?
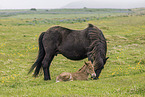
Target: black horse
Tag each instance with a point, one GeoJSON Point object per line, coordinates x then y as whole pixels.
{"type": "Point", "coordinates": [74, 45]}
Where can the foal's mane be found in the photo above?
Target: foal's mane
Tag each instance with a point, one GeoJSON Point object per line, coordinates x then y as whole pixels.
{"type": "Point", "coordinates": [98, 48]}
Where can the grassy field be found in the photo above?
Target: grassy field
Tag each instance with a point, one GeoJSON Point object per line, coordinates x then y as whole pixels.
{"type": "Point", "coordinates": [124, 72]}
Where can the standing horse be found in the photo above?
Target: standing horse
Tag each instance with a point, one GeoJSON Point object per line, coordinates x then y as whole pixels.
{"type": "Point", "coordinates": [74, 45]}
{"type": "Point", "coordinates": [81, 74]}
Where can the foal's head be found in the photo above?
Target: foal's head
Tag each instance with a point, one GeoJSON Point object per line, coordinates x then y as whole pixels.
{"type": "Point", "coordinates": [90, 69]}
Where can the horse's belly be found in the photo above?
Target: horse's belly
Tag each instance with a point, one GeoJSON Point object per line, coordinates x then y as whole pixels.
{"type": "Point", "coordinates": [74, 54]}
{"type": "Point", "coordinates": [74, 49]}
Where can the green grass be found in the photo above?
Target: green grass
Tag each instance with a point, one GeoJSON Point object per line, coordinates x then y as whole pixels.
{"type": "Point", "coordinates": [123, 75]}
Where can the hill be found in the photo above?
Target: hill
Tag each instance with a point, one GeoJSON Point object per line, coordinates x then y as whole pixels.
{"type": "Point", "coordinates": [106, 4]}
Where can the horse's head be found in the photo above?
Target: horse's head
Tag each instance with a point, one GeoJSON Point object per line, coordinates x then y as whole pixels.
{"type": "Point", "coordinates": [90, 69]}
{"type": "Point", "coordinates": [99, 63]}
{"type": "Point", "coordinates": [97, 49]}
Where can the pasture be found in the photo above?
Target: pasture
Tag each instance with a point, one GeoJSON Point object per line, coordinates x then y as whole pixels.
{"type": "Point", "coordinates": [124, 72]}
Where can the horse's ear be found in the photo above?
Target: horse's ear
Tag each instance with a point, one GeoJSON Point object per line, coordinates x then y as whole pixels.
{"type": "Point", "coordinates": [107, 58]}
{"type": "Point", "coordinates": [86, 63]}
{"type": "Point", "coordinates": [90, 25]}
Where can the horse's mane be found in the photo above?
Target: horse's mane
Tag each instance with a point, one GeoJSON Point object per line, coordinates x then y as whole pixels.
{"type": "Point", "coordinates": [98, 47]}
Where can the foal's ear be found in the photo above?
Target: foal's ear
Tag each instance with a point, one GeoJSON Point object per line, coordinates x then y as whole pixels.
{"type": "Point", "coordinates": [86, 63]}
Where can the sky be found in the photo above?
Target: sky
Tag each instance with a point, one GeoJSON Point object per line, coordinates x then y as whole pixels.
{"type": "Point", "coordinates": [51, 4]}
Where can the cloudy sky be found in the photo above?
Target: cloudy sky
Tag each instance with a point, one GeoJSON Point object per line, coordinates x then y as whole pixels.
{"type": "Point", "coordinates": [47, 4]}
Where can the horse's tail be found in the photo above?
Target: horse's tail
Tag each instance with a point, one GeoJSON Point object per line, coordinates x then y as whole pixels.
{"type": "Point", "coordinates": [41, 54]}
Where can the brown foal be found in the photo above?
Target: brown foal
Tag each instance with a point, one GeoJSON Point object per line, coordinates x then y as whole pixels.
{"type": "Point", "coordinates": [81, 74]}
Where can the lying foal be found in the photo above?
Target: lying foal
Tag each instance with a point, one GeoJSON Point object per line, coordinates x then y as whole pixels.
{"type": "Point", "coordinates": [81, 74]}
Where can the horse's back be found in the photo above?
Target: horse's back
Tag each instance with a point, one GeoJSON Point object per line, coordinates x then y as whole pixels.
{"type": "Point", "coordinates": [70, 43]}
{"type": "Point", "coordinates": [56, 35]}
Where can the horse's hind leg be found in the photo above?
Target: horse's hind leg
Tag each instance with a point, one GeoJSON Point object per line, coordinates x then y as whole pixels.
{"type": "Point", "coordinates": [46, 64]}
{"type": "Point", "coordinates": [50, 43]}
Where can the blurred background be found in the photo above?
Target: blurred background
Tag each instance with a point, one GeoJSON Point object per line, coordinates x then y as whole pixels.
{"type": "Point", "coordinates": [48, 4]}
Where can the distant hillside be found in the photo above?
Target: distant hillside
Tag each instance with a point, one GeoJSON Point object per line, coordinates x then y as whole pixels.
{"type": "Point", "coordinates": [106, 4]}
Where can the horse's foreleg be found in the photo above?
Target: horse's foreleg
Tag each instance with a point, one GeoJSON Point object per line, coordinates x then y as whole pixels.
{"type": "Point", "coordinates": [46, 64]}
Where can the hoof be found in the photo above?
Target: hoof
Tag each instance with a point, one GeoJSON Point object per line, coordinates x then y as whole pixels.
{"type": "Point", "coordinates": [46, 79]}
